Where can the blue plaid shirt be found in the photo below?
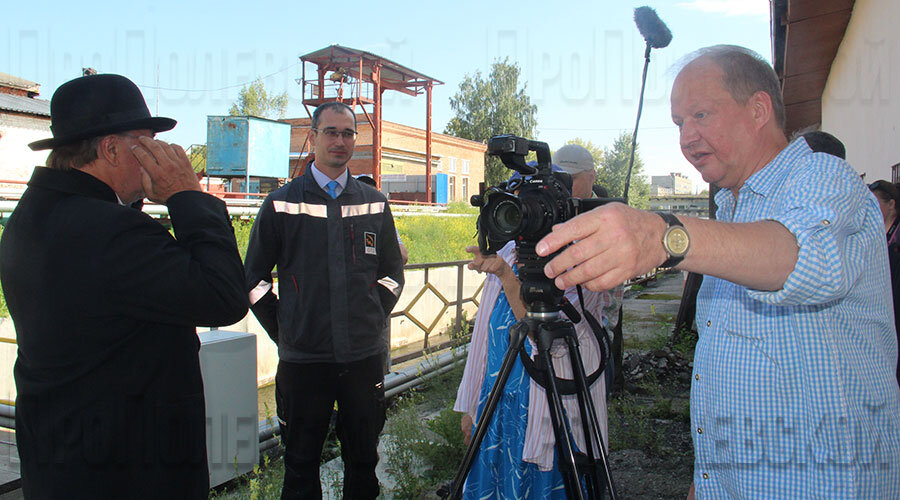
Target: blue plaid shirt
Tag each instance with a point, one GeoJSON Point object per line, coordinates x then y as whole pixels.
{"type": "Point", "coordinates": [794, 393]}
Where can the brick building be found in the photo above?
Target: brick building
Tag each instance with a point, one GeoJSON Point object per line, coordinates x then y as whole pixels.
{"type": "Point", "coordinates": [403, 156]}
{"type": "Point", "coordinates": [23, 119]}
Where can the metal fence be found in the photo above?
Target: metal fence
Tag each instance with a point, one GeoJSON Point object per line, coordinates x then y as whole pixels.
{"type": "Point", "coordinates": [429, 325]}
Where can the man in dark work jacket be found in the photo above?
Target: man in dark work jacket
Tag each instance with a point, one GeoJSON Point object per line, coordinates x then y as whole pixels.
{"type": "Point", "coordinates": [105, 303]}
{"type": "Point", "coordinates": [340, 275]}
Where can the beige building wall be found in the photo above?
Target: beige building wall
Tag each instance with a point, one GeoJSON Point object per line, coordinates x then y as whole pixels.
{"type": "Point", "coordinates": [17, 160]}
{"type": "Point", "coordinates": [861, 101]}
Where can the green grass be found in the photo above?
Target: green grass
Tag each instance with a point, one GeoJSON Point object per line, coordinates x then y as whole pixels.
{"type": "Point", "coordinates": [427, 238]}
{"type": "Point", "coordinates": [685, 341]}
{"type": "Point", "coordinates": [635, 422]}
{"type": "Point", "coordinates": [242, 234]}
{"type": "Point", "coordinates": [658, 341]}
{"type": "Point", "coordinates": [460, 207]}
{"type": "Point", "coordinates": [436, 239]}
{"type": "Point", "coordinates": [420, 461]}
{"type": "Point", "coordinates": [263, 483]}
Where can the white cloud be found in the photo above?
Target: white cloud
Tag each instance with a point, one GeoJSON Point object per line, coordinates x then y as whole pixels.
{"type": "Point", "coordinates": [729, 7]}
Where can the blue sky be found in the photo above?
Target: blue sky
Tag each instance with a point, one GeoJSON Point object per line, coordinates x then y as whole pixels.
{"type": "Point", "coordinates": [581, 61]}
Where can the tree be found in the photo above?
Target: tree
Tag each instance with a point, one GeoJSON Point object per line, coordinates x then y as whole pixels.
{"type": "Point", "coordinates": [492, 106]}
{"type": "Point", "coordinates": [253, 100]}
{"type": "Point", "coordinates": [615, 167]}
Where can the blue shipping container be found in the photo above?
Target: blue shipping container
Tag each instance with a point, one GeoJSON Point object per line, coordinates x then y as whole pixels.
{"type": "Point", "coordinates": [235, 144]}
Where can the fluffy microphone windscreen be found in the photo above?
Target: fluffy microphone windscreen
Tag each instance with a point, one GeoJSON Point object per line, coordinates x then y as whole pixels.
{"type": "Point", "coordinates": [654, 31]}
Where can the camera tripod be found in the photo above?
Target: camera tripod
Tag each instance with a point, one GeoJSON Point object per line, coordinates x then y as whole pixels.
{"type": "Point", "coordinates": [579, 468]}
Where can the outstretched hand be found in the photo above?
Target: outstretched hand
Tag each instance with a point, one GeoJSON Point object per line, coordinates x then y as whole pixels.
{"type": "Point", "coordinates": [610, 245]}
{"type": "Point", "coordinates": [165, 169]}
{"type": "Point", "coordinates": [493, 264]}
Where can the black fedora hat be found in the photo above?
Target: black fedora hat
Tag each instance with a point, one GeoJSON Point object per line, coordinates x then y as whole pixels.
{"type": "Point", "coordinates": [97, 105]}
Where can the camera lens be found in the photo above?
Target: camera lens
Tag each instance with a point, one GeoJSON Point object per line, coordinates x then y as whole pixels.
{"type": "Point", "coordinates": [507, 217]}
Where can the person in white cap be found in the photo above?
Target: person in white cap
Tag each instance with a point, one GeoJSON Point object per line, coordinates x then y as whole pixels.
{"type": "Point", "coordinates": [577, 161]}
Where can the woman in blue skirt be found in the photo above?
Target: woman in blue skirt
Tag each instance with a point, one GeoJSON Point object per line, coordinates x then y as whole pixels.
{"type": "Point", "coordinates": [517, 458]}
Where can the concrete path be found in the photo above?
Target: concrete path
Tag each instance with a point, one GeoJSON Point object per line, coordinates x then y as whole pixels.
{"type": "Point", "coordinates": [652, 310]}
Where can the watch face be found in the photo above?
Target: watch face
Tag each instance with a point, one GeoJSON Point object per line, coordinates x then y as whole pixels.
{"type": "Point", "coordinates": [677, 241]}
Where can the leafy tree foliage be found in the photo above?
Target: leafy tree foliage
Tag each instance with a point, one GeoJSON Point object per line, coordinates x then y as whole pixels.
{"type": "Point", "coordinates": [615, 167]}
{"type": "Point", "coordinates": [484, 107]}
{"type": "Point", "coordinates": [254, 100]}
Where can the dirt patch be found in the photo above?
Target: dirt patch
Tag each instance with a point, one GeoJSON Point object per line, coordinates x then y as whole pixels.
{"type": "Point", "coordinates": [651, 451]}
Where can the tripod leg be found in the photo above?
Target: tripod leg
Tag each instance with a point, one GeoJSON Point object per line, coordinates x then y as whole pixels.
{"type": "Point", "coordinates": [590, 423]}
{"type": "Point", "coordinates": [561, 429]}
{"type": "Point", "coordinates": [517, 337]}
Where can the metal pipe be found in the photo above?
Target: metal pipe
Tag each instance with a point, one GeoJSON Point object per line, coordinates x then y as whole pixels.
{"type": "Point", "coordinates": [268, 444]}
{"type": "Point", "coordinates": [394, 383]}
{"type": "Point", "coordinates": [419, 380]}
{"type": "Point", "coordinates": [395, 379]}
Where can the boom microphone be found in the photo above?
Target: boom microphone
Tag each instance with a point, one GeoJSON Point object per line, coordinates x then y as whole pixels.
{"type": "Point", "coordinates": [657, 35]}
{"type": "Point", "coordinates": [652, 28]}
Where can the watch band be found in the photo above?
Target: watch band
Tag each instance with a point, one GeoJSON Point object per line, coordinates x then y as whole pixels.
{"type": "Point", "coordinates": [672, 222]}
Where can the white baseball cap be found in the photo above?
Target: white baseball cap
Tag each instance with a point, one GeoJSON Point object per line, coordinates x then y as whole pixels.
{"type": "Point", "coordinates": [574, 159]}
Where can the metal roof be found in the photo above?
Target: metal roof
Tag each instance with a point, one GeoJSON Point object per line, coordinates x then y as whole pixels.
{"type": "Point", "coordinates": [337, 54]}
{"type": "Point", "coordinates": [20, 104]}
{"type": "Point", "coordinates": [7, 80]}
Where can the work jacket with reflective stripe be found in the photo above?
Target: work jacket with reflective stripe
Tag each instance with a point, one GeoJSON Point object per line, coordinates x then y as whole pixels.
{"type": "Point", "coordinates": [339, 270]}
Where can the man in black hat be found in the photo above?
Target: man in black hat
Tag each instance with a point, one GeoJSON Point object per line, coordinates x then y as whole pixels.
{"type": "Point", "coordinates": [105, 303]}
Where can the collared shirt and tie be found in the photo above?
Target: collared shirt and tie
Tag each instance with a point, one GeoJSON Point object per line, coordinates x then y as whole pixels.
{"type": "Point", "coordinates": [334, 187]}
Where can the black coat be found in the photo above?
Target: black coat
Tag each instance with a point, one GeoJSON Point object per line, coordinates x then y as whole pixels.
{"type": "Point", "coordinates": [105, 303]}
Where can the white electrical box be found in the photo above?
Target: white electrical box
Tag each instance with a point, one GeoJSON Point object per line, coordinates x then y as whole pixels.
{"type": "Point", "coordinates": [228, 364]}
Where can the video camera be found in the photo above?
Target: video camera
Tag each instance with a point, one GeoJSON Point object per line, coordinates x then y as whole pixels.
{"type": "Point", "coordinates": [543, 200]}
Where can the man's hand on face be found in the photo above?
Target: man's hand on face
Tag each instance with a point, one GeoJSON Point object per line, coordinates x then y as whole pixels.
{"type": "Point", "coordinates": [612, 244]}
{"type": "Point", "coordinates": [165, 169]}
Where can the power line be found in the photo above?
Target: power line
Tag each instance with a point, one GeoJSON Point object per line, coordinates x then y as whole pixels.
{"type": "Point", "coordinates": [282, 70]}
{"type": "Point", "coordinates": [670, 127]}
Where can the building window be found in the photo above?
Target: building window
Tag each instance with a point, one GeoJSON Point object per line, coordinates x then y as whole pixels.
{"type": "Point", "coordinates": [452, 167]}
{"type": "Point", "coordinates": [465, 168]}
{"type": "Point", "coordinates": [465, 184]}
{"type": "Point", "coordinates": [437, 165]}
{"type": "Point", "coordinates": [451, 189]}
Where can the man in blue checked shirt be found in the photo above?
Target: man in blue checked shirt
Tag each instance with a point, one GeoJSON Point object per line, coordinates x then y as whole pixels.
{"type": "Point", "coordinates": [794, 394]}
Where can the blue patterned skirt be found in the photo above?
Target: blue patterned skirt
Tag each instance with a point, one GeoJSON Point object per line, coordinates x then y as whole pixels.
{"type": "Point", "coordinates": [498, 471]}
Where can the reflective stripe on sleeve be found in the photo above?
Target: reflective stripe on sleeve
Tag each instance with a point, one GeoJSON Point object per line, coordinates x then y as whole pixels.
{"type": "Point", "coordinates": [391, 285]}
{"type": "Point", "coordinates": [259, 291]}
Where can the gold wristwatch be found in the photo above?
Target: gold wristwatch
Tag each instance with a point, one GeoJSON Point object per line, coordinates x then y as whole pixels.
{"type": "Point", "coordinates": [676, 240]}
